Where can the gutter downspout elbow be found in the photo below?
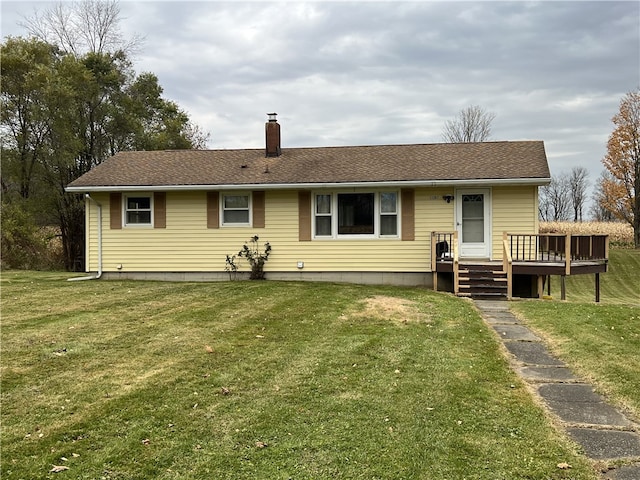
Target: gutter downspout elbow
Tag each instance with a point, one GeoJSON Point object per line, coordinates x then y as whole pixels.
{"type": "Point", "coordinates": [99, 274]}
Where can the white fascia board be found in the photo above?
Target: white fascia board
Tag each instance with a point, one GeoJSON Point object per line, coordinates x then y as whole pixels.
{"type": "Point", "coordinates": [285, 186]}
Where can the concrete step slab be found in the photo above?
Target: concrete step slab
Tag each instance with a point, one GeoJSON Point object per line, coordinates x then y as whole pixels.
{"type": "Point", "coordinates": [547, 374]}
{"type": "Point", "coordinates": [532, 353]}
{"type": "Point", "coordinates": [500, 318]}
{"type": "Point", "coordinates": [628, 472]}
{"type": "Point", "coordinates": [516, 332]}
{"type": "Point", "coordinates": [606, 444]}
{"type": "Point", "coordinates": [579, 404]}
{"type": "Point", "coordinates": [492, 305]}
{"type": "Point", "coordinates": [577, 393]}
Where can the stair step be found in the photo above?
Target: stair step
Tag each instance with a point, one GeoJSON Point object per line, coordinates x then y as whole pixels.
{"type": "Point", "coordinates": [482, 281]}
{"type": "Point", "coordinates": [485, 279]}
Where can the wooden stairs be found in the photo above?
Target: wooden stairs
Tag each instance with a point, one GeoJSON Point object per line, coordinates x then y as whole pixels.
{"type": "Point", "coordinates": [482, 281]}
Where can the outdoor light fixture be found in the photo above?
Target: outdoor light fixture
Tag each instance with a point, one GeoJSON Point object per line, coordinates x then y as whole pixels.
{"type": "Point", "coordinates": [447, 198]}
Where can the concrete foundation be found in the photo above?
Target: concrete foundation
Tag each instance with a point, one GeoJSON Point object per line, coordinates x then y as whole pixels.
{"type": "Point", "coordinates": [408, 279]}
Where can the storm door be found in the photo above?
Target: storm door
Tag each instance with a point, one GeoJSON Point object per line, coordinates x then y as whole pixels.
{"type": "Point", "coordinates": [473, 222]}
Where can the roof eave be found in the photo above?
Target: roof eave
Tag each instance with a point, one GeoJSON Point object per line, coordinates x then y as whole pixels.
{"type": "Point", "coordinates": [315, 185]}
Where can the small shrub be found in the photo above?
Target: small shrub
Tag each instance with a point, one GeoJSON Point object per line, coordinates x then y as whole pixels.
{"type": "Point", "coordinates": [231, 267]}
{"type": "Point", "coordinates": [256, 258]}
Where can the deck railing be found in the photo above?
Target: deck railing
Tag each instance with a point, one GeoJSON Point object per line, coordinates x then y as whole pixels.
{"type": "Point", "coordinates": [507, 264]}
{"type": "Point", "coordinates": [444, 247]}
{"type": "Point", "coordinates": [552, 247]}
{"type": "Point", "coordinates": [543, 250]}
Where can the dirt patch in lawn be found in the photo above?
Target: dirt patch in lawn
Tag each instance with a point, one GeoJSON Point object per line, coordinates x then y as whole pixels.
{"type": "Point", "coordinates": [400, 311]}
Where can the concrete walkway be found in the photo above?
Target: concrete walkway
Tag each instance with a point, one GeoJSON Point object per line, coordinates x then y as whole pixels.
{"type": "Point", "coordinates": [603, 432]}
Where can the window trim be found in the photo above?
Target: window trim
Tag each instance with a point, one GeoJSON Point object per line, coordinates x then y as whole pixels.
{"type": "Point", "coordinates": [249, 209]}
{"type": "Point", "coordinates": [125, 210]}
{"type": "Point", "coordinates": [377, 213]}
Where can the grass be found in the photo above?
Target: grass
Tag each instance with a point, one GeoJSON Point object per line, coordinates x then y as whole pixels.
{"type": "Point", "coordinates": [261, 380]}
{"type": "Point", "coordinates": [619, 285]}
{"type": "Point", "coordinates": [601, 343]}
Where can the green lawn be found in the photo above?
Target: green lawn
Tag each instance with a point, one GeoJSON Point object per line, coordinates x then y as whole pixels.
{"type": "Point", "coordinates": [266, 380]}
{"type": "Point", "coordinates": [621, 284]}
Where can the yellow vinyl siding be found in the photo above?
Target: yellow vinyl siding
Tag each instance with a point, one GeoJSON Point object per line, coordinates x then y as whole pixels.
{"type": "Point", "coordinates": [515, 210]}
{"type": "Point", "coordinates": [187, 245]}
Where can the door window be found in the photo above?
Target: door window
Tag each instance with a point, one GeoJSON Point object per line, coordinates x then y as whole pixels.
{"type": "Point", "coordinates": [473, 218]}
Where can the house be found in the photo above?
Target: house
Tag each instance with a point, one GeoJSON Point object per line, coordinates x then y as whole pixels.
{"type": "Point", "coordinates": [367, 214]}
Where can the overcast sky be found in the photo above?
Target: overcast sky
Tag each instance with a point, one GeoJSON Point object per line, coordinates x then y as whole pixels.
{"type": "Point", "coordinates": [361, 73]}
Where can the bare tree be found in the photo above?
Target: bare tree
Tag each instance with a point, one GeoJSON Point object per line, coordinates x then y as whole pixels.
{"type": "Point", "coordinates": [555, 200]}
{"type": "Point", "coordinates": [578, 181]}
{"type": "Point", "coordinates": [473, 124]}
{"type": "Point", "coordinates": [598, 211]}
{"type": "Point", "coordinates": [82, 27]}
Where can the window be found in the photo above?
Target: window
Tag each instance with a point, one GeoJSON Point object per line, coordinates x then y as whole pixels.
{"type": "Point", "coordinates": [137, 210]}
{"type": "Point", "coordinates": [323, 215]}
{"type": "Point", "coordinates": [235, 209]}
{"type": "Point", "coordinates": [388, 214]}
{"type": "Point", "coordinates": [356, 214]}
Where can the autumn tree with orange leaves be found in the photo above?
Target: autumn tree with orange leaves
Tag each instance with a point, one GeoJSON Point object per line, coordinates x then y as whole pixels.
{"type": "Point", "coordinates": [620, 189]}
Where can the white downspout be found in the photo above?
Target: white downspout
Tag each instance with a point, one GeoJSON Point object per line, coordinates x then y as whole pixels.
{"type": "Point", "coordinates": [99, 274]}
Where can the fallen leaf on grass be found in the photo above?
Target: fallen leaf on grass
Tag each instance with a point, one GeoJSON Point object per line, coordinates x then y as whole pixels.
{"type": "Point", "coordinates": [58, 468]}
{"type": "Point", "coordinates": [208, 349]}
{"type": "Point", "coordinates": [564, 466]}
{"type": "Point", "coordinates": [225, 391]}
{"type": "Point", "coordinates": [261, 444]}
{"type": "Point", "coordinates": [146, 441]}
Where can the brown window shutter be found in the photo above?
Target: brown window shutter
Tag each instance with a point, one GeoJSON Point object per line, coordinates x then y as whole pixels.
{"type": "Point", "coordinates": [304, 216]}
{"type": "Point", "coordinates": [115, 210]}
{"type": "Point", "coordinates": [213, 212]}
{"type": "Point", "coordinates": [160, 210]}
{"type": "Point", "coordinates": [258, 209]}
{"type": "Point", "coordinates": [408, 214]}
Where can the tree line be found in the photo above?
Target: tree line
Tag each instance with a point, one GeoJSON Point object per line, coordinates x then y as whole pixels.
{"type": "Point", "coordinates": [70, 99]}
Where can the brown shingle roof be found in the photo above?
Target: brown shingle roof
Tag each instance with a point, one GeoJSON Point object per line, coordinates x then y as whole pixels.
{"type": "Point", "coordinates": [322, 165]}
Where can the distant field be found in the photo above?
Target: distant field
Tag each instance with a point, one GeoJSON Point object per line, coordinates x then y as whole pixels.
{"type": "Point", "coordinates": [619, 233]}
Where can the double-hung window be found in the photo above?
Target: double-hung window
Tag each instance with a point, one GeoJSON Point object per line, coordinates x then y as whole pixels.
{"type": "Point", "coordinates": [236, 209]}
{"type": "Point", "coordinates": [323, 215]}
{"type": "Point", "coordinates": [356, 215]}
{"type": "Point", "coordinates": [137, 211]}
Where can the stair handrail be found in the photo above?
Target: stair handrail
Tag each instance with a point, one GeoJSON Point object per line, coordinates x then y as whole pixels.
{"type": "Point", "coordinates": [454, 247]}
{"type": "Point", "coordinates": [507, 263]}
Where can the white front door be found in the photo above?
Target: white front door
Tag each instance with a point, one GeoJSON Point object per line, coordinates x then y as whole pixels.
{"type": "Point", "coordinates": [473, 222]}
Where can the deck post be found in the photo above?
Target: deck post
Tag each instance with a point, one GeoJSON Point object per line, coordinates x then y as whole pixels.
{"type": "Point", "coordinates": [549, 285]}
{"type": "Point", "coordinates": [563, 287]}
{"type": "Point", "coordinates": [456, 286]}
{"type": "Point", "coordinates": [540, 286]}
{"type": "Point", "coordinates": [567, 255]}
{"type": "Point", "coordinates": [434, 265]}
{"type": "Point", "coordinates": [597, 288]}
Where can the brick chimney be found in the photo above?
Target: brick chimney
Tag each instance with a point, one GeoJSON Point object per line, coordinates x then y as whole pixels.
{"type": "Point", "coordinates": [272, 134]}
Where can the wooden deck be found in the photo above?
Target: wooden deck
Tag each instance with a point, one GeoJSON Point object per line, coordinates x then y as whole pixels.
{"type": "Point", "coordinates": [536, 257]}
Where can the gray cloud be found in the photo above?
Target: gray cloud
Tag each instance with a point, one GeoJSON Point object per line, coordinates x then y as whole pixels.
{"type": "Point", "coordinates": [391, 72]}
